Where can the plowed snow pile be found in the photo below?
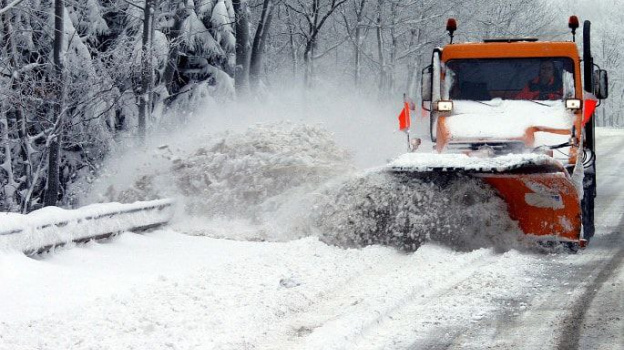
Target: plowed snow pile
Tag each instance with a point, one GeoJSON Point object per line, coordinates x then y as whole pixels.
{"type": "Point", "coordinates": [249, 174]}
{"type": "Point", "coordinates": [286, 181]}
{"type": "Point", "coordinates": [404, 212]}
{"type": "Point", "coordinates": [232, 176]}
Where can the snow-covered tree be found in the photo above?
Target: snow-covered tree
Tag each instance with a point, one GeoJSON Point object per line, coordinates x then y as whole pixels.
{"type": "Point", "coordinates": [190, 54]}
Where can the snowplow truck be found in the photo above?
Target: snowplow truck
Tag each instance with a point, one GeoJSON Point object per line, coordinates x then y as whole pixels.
{"type": "Point", "coordinates": [517, 113]}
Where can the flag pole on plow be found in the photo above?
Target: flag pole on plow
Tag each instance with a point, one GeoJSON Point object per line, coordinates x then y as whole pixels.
{"type": "Point", "coordinates": [405, 120]}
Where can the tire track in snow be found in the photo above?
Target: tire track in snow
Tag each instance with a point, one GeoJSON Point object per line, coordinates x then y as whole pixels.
{"type": "Point", "coordinates": [510, 322]}
{"type": "Point", "coordinates": [563, 281]}
{"type": "Point", "coordinates": [572, 327]}
{"type": "Point", "coordinates": [570, 287]}
{"type": "Point", "coordinates": [603, 326]}
{"type": "Point", "coordinates": [443, 313]}
{"type": "Point", "coordinates": [572, 324]}
{"type": "Point", "coordinates": [347, 314]}
{"type": "Point", "coordinates": [498, 302]}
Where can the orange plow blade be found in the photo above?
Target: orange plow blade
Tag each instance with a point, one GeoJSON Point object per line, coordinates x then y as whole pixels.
{"type": "Point", "coordinates": [544, 204]}
{"type": "Point", "coordinates": [539, 193]}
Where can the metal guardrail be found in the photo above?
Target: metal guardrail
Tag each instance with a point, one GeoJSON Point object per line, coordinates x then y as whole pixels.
{"type": "Point", "coordinates": [86, 224]}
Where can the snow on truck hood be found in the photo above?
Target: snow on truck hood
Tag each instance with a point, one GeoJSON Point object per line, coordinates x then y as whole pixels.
{"type": "Point", "coordinates": [504, 119]}
{"type": "Point", "coordinates": [433, 161]}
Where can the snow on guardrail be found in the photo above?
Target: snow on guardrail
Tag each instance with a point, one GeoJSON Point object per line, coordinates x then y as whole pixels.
{"type": "Point", "coordinates": [52, 226]}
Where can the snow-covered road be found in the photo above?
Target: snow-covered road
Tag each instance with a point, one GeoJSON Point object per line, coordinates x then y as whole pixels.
{"type": "Point", "coordinates": [168, 290]}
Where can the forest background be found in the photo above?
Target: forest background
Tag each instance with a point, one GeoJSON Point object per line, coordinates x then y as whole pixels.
{"type": "Point", "coordinates": [81, 77]}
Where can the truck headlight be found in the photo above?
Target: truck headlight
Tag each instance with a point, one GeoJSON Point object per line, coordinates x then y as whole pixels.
{"type": "Point", "coordinates": [445, 106]}
{"type": "Point", "coordinates": [573, 103]}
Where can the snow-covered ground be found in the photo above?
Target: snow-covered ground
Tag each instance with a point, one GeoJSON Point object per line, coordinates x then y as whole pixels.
{"type": "Point", "coordinates": [170, 290]}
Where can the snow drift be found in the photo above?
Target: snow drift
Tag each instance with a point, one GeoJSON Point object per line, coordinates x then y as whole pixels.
{"type": "Point", "coordinates": [283, 181]}
{"type": "Point", "coordinates": [256, 176]}
{"type": "Point", "coordinates": [405, 211]}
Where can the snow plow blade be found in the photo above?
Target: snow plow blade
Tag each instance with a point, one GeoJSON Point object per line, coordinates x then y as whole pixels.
{"type": "Point", "coordinates": [539, 193]}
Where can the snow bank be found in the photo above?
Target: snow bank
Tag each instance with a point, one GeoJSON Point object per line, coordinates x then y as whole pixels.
{"type": "Point", "coordinates": [253, 177]}
{"type": "Point", "coordinates": [52, 226]}
{"type": "Point", "coordinates": [251, 173]}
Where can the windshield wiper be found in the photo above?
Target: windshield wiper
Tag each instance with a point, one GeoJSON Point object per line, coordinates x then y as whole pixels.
{"type": "Point", "coordinates": [483, 103]}
{"type": "Point", "coordinates": [539, 103]}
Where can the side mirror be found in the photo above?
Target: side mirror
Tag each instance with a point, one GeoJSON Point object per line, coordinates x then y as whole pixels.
{"type": "Point", "coordinates": [601, 81]}
{"type": "Point", "coordinates": [435, 91]}
{"type": "Point", "coordinates": [425, 84]}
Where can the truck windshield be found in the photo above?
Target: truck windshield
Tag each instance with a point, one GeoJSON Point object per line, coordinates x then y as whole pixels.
{"type": "Point", "coordinates": [511, 79]}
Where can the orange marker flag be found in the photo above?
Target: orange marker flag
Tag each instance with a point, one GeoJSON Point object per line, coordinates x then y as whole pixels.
{"type": "Point", "coordinates": [404, 118]}
{"type": "Point", "coordinates": [589, 106]}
